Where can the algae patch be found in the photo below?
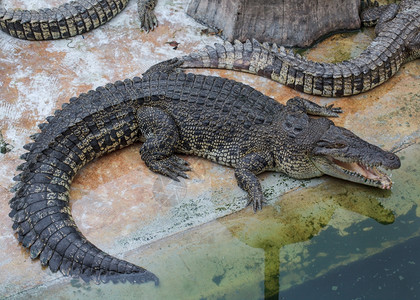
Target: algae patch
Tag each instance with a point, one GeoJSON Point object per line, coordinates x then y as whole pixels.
{"type": "Point", "coordinates": [4, 147]}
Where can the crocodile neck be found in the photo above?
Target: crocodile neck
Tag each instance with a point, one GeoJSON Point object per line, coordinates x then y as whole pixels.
{"type": "Point", "coordinates": [379, 62]}
{"type": "Point", "coordinates": [66, 20]}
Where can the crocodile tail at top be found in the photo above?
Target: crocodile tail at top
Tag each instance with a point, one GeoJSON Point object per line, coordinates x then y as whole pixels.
{"type": "Point", "coordinates": [64, 21]}
{"type": "Point", "coordinates": [380, 61]}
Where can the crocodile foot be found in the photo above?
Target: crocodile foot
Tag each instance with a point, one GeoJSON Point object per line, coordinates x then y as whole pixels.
{"type": "Point", "coordinates": [312, 108]}
{"type": "Point", "coordinates": [172, 167]}
{"type": "Point", "coordinates": [368, 4]}
{"type": "Point", "coordinates": [148, 20]}
{"type": "Point", "coordinates": [257, 201]}
{"type": "Point", "coordinates": [332, 111]}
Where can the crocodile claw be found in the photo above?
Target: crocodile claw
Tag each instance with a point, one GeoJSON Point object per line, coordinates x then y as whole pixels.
{"type": "Point", "coordinates": [368, 3]}
{"type": "Point", "coordinates": [257, 201]}
{"type": "Point", "coordinates": [333, 111]}
{"type": "Point", "coordinates": [148, 20]}
{"type": "Point", "coordinates": [172, 167]}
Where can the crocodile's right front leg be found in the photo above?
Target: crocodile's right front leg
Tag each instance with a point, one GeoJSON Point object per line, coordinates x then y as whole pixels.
{"type": "Point", "coordinates": [246, 175]}
{"type": "Point", "coordinates": [147, 17]}
{"type": "Point", "coordinates": [161, 135]}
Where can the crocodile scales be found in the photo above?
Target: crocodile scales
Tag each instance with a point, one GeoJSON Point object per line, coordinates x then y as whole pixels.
{"type": "Point", "coordinates": [69, 19]}
{"type": "Point", "coordinates": [212, 117]}
{"type": "Point", "coordinates": [397, 42]}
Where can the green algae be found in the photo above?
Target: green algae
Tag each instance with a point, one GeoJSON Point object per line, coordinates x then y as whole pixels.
{"type": "Point", "coordinates": [4, 147]}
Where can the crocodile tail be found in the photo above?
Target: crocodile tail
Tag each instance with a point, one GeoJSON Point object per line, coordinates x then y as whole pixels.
{"type": "Point", "coordinates": [374, 66]}
{"type": "Point", "coordinates": [40, 207]}
{"type": "Point", "coordinates": [43, 222]}
{"type": "Point", "coordinates": [66, 20]}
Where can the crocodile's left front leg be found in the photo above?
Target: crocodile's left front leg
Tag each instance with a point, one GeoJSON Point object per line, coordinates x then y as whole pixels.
{"type": "Point", "coordinates": [309, 107]}
{"type": "Point", "coordinates": [147, 17]}
{"type": "Point", "coordinates": [246, 174]}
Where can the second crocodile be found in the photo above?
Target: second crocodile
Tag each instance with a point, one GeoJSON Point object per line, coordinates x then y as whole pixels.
{"type": "Point", "coordinates": [397, 42]}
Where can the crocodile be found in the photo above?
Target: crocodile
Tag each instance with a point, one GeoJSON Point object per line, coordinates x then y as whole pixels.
{"type": "Point", "coordinates": [397, 41]}
{"type": "Point", "coordinates": [69, 19]}
{"type": "Point", "coordinates": [224, 121]}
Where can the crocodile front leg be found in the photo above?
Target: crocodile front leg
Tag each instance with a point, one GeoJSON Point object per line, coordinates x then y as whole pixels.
{"type": "Point", "coordinates": [147, 17]}
{"type": "Point", "coordinates": [167, 66]}
{"type": "Point", "coordinates": [245, 172]}
{"type": "Point", "coordinates": [312, 108]}
{"type": "Point", "coordinates": [161, 135]}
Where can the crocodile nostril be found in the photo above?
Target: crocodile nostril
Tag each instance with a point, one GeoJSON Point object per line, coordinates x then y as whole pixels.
{"type": "Point", "coordinates": [393, 161]}
{"type": "Point", "coordinates": [390, 156]}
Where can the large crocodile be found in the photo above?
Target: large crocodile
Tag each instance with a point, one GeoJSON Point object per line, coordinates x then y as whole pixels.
{"type": "Point", "coordinates": [69, 19]}
{"type": "Point", "coordinates": [397, 42]}
{"type": "Point", "coordinates": [219, 119]}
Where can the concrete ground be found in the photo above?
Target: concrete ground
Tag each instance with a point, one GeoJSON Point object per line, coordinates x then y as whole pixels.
{"type": "Point", "coordinates": [195, 234]}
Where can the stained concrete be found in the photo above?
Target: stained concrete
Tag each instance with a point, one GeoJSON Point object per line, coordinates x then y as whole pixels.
{"type": "Point", "coordinates": [195, 234]}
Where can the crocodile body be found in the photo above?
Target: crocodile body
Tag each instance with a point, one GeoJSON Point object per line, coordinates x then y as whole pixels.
{"type": "Point", "coordinates": [69, 19]}
{"type": "Point", "coordinates": [397, 42]}
{"type": "Point", "coordinates": [212, 117]}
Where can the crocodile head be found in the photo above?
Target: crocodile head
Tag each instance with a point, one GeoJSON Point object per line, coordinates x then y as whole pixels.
{"type": "Point", "coordinates": [340, 153]}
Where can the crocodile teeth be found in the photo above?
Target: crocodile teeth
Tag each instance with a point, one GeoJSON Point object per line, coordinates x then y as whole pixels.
{"type": "Point", "coordinates": [370, 173]}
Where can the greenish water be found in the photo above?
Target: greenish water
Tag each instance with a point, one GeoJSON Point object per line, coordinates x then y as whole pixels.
{"type": "Point", "coordinates": [370, 260]}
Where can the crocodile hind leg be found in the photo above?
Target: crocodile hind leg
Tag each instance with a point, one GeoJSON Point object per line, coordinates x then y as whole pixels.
{"type": "Point", "coordinates": [147, 17]}
{"type": "Point", "coordinates": [414, 47]}
{"type": "Point", "coordinates": [388, 14]}
{"type": "Point", "coordinates": [374, 14]}
{"type": "Point", "coordinates": [161, 136]}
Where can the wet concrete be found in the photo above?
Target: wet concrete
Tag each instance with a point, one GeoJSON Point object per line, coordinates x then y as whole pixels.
{"type": "Point", "coordinates": [195, 234]}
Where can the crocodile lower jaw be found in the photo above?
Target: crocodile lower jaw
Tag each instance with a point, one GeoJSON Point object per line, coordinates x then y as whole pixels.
{"type": "Point", "coordinates": [371, 175]}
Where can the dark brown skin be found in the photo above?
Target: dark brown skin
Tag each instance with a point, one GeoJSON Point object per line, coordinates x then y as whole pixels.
{"type": "Point", "coordinates": [215, 118]}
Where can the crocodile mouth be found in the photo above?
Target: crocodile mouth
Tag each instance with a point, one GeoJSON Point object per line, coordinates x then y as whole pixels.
{"type": "Point", "coordinates": [367, 174]}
